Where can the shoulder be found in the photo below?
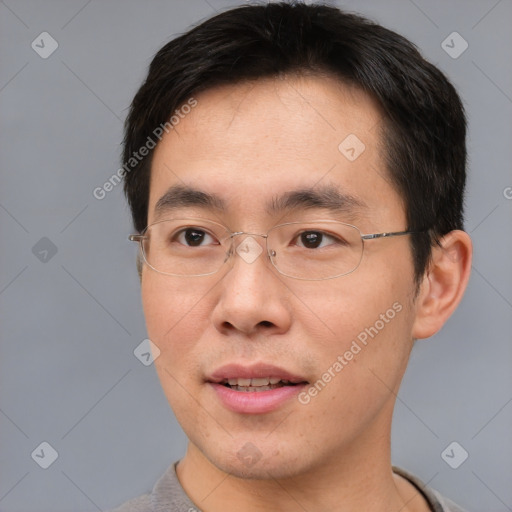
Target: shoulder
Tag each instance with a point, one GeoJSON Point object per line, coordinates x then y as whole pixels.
{"type": "Point", "coordinates": [446, 504]}
{"type": "Point", "coordinates": [139, 504]}
{"type": "Point", "coordinates": [436, 501]}
{"type": "Point", "coordinates": [167, 495]}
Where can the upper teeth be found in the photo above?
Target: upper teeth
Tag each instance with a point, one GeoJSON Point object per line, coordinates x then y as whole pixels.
{"type": "Point", "coordinates": [261, 381]}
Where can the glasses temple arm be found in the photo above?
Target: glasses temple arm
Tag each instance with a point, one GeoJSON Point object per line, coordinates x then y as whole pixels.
{"type": "Point", "coordinates": [389, 234]}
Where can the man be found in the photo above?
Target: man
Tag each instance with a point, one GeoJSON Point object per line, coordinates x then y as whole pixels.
{"type": "Point", "coordinates": [297, 188]}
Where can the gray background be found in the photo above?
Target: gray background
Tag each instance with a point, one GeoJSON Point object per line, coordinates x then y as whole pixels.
{"type": "Point", "coordinates": [70, 324]}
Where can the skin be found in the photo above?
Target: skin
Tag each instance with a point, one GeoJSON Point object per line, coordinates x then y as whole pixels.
{"type": "Point", "coordinates": [247, 143]}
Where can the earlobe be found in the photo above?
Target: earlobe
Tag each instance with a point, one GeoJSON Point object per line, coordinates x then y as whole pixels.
{"type": "Point", "coordinates": [443, 284]}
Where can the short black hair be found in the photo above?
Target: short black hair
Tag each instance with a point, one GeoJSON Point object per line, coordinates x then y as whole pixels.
{"type": "Point", "coordinates": [424, 129]}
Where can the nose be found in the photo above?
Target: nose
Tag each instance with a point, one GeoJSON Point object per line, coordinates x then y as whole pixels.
{"type": "Point", "coordinates": [252, 297]}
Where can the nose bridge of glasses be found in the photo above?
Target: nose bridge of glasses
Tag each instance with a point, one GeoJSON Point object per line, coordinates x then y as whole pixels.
{"type": "Point", "coordinates": [247, 247]}
{"type": "Point", "coordinates": [239, 240]}
{"type": "Point", "coordinates": [239, 233]}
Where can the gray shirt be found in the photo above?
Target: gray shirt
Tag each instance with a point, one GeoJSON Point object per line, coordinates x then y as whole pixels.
{"type": "Point", "coordinates": [168, 496]}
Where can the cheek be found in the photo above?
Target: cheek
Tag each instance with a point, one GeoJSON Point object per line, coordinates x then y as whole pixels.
{"type": "Point", "coordinates": [362, 327]}
{"type": "Point", "coordinates": [361, 362]}
{"type": "Point", "coordinates": [176, 313]}
{"type": "Point", "coordinates": [177, 316]}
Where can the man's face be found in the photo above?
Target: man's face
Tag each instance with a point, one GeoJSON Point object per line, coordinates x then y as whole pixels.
{"type": "Point", "coordinates": [248, 144]}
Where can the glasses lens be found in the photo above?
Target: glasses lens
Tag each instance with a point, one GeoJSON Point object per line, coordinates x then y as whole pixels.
{"type": "Point", "coordinates": [315, 250]}
{"type": "Point", "coordinates": [186, 247]}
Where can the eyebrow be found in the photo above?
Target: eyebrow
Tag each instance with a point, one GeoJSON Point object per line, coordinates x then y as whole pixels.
{"type": "Point", "coordinates": [326, 196]}
{"type": "Point", "coordinates": [181, 196]}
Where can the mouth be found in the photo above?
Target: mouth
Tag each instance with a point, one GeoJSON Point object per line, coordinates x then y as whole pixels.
{"type": "Point", "coordinates": [256, 389]}
{"type": "Point", "coordinates": [258, 384]}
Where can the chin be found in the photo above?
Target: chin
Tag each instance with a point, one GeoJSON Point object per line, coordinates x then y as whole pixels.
{"type": "Point", "coordinates": [251, 463]}
{"type": "Point", "coordinates": [272, 471]}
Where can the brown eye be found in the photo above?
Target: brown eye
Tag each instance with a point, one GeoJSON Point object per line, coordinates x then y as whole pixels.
{"type": "Point", "coordinates": [193, 237]}
{"type": "Point", "coordinates": [311, 239]}
{"type": "Point", "coordinates": [317, 239]}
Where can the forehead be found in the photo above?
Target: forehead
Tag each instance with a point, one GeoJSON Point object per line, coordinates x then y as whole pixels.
{"type": "Point", "coordinates": [249, 144]}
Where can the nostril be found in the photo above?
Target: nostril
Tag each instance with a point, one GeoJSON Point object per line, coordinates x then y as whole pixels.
{"type": "Point", "coordinates": [266, 323]}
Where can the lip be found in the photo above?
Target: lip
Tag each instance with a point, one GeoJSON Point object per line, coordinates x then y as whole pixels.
{"type": "Point", "coordinates": [258, 370]}
{"type": "Point", "coordinates": [254, 402]}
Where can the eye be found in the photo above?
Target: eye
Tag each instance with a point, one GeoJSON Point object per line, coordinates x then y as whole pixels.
{"type": "Point", "coordinates": [315, 239]}
{"type": "Point", "coordinates": [194, 237]}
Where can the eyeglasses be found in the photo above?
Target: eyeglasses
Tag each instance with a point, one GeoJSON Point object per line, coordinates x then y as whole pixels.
{"type": "Point", "coordinates": [311, 250]}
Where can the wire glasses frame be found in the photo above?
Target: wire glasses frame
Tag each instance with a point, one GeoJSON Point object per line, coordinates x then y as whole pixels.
{"type": "Point", "coordinates": [343, 258]}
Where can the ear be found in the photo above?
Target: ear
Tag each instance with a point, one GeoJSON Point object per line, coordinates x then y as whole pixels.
{"type": "Point", "coordinates": [443, 284]}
